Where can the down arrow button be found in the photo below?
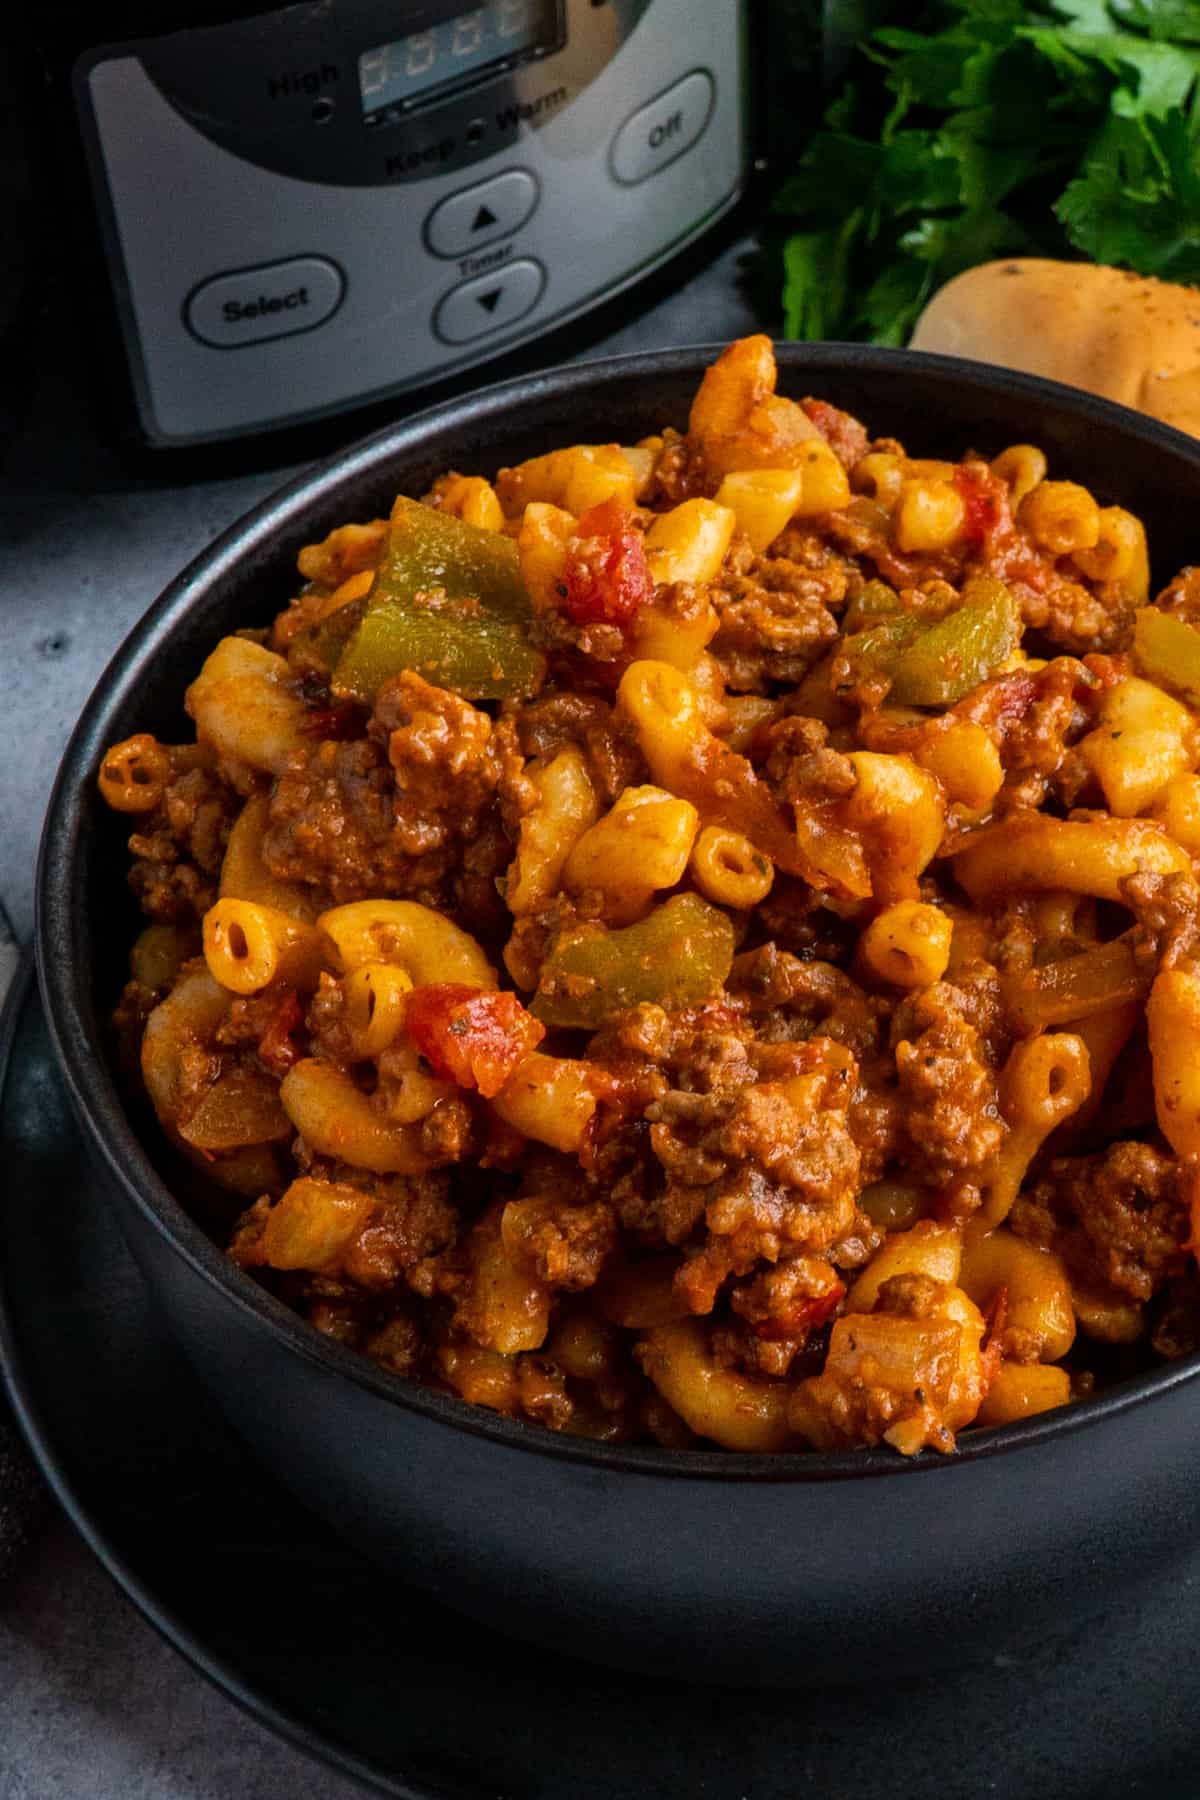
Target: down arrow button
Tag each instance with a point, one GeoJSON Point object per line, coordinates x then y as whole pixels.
{"type": "Point", "coordinates": [489, 302]}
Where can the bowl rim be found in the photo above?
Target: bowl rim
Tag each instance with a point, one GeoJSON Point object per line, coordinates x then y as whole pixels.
{"type": "Point", "coordinates": [85, 1068]}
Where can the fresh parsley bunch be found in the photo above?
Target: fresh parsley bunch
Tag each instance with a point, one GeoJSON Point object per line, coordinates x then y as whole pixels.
{"type": "Point", "coordinates": [987, 129]}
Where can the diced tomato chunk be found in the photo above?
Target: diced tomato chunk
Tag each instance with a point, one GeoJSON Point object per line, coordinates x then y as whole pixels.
{"type": "Point", "coordinates": [606, 577]}
{"type": "Point", "coordinates": [986, 499]}
{"type": "Point", "coordinates": [474, 1036]}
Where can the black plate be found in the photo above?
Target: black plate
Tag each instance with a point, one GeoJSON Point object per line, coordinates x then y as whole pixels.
{"type": "Point", "coordinates": [414, 1701]}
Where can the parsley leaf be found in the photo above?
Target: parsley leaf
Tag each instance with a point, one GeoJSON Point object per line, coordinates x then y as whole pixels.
{"type": "Point", "coordinates": [1177, 21]}
{"type": "Point", "coordinates": [983, 128]}
{"type": "Point", "coordinates": [1137, 202]}
{"type": "Point", "coordinates": [816, 279]}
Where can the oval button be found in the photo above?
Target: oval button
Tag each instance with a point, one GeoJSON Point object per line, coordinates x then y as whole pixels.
{"type": "Point", "coordinates": [489, 302]}
{"type": "Point", "coordinates": [482, 213]}
{"type": "Point", "coordinates": [272, 300]}
{"type": "Point", "coordinates": [663, 129]}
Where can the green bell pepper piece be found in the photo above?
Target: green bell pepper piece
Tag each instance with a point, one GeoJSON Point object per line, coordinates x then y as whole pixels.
{"type": "Point", "coordinates": [935, 665]}
{"type": "Point", "coordinates": [875, 651]}
{"type": "Point", "coordinates": [448, 602]}
{"type": "Point", "coordinates": [431, 549]}
{"type": "Point", "coordinates": [452, 645]}
{"type": "Point", "coordinates": [876, 601]}
{"type": "Point", "coordinates": [949, 658]}
{"type": "Point", "coordinates": [679, 955]}
{"type": "Point", "coordinates": [319, 648]}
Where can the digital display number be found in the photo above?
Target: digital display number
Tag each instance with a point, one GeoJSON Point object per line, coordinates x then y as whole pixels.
{"type": "Point", "coordinates": [414, 68]}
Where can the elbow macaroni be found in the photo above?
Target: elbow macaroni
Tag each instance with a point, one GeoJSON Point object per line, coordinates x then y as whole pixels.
{"type": "Point", "coordinates": [640, 845]}
{"type": "Point", "coordinates": [135, 773]}
{"type": "Point", "coordinates": [374, 1000]}
{"type": "Point", "coordinates": [1094, 857]}
{"type": "Point", "coordinates": [1144, 740]}
{"type": "Point", "coordinates": [930, 515]}
{"type": "Point", "coordinates": [1045, 1080]}
{"type": "Point", "coordinates": [762, 501]}
{"type": "Point", "coordinates": [1118, 554]}
{"type": "Point", "coordinates": [689, 542]}
{"type": "Point", "coordinates": [898, 809]}
{"type": "Point", "coordinates": [1173, 1019]}
{"type": "Point", "coordinates": [908, 945]}
{"type": "Point", "coordinates": [337, 1119]}
{"type": "Point", "coordinates": [1062, 516]}
{"type": "Point", "coordinates": [729, 870]}
{"type": "Point", "coordinates": [245, 875]}
{"type": "Point", "coordinates": [566, 807]}
{"type": "Point", "coordinates": [1021, 468]}
{"type": "Point", "coordinates": [245, 704]}
{"type": "Point", "coordinates": [550, 1099]}
{"type": "Point", "coordinates": [426, 944]}
{"type": "Point", "coordinates": [574, 479]}
{"type": "Point", "coordinates": [247, 947]}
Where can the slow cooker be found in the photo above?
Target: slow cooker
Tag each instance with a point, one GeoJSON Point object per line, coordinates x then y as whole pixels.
{"type": "Point", "coordinates": [295, 212]}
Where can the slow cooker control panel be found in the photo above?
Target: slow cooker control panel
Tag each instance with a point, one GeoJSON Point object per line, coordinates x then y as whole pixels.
{"type": "Point", "coordinates": [316, 207]}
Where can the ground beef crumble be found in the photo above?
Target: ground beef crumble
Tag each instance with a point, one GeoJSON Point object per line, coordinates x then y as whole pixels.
{"type": "Point", "coordinates": [178, 851]}
{"type": "Point", "coordinates": [1118, 1219]}
{"type": "Point", "coordinates": [390, 813]}
{"type": "Point", "coordinates": [947, 1087]}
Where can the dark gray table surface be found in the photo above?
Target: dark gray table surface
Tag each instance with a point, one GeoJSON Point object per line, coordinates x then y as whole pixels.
{"type": "Point", "coordinates": [93, 1705]}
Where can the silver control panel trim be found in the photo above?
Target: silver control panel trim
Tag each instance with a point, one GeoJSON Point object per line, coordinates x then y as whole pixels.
{"type": "Point", "coordinates": [489, 302]}
{"type": "Point", "coordinates": [243, 307]}
{"type": "Point", "coordinates": [663, 130]}
{"type": "Point", "coordinates": [482, 213]}
{"type": "Point", "coordinates": [587, 235]}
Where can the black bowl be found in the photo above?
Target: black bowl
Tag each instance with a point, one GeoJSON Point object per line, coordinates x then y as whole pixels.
{"type": "Point", "coordinates": [731, 1567]}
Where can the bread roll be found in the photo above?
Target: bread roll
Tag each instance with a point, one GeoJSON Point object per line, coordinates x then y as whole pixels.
{"type": "Point", "coordinates": [1125, 336]}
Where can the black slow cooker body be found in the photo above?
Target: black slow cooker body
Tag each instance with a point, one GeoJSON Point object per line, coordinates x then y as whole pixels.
{"type": "Point", "coordinates": [62, 219]}
{"type": "Point", "coordinates": [732, 1568]}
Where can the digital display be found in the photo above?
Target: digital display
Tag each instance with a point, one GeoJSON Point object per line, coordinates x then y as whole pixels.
{"type": "Point", "coordinates": [412, 69]}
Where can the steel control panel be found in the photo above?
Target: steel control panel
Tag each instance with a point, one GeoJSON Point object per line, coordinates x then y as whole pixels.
{"type": "Point", "coordinates": [320, 206]}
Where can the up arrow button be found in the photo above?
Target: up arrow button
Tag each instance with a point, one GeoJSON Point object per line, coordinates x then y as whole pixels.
{"type": "Point", "coordinates": [481, 214]}
{"type": "Point", "coordinates": [489, 302]}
